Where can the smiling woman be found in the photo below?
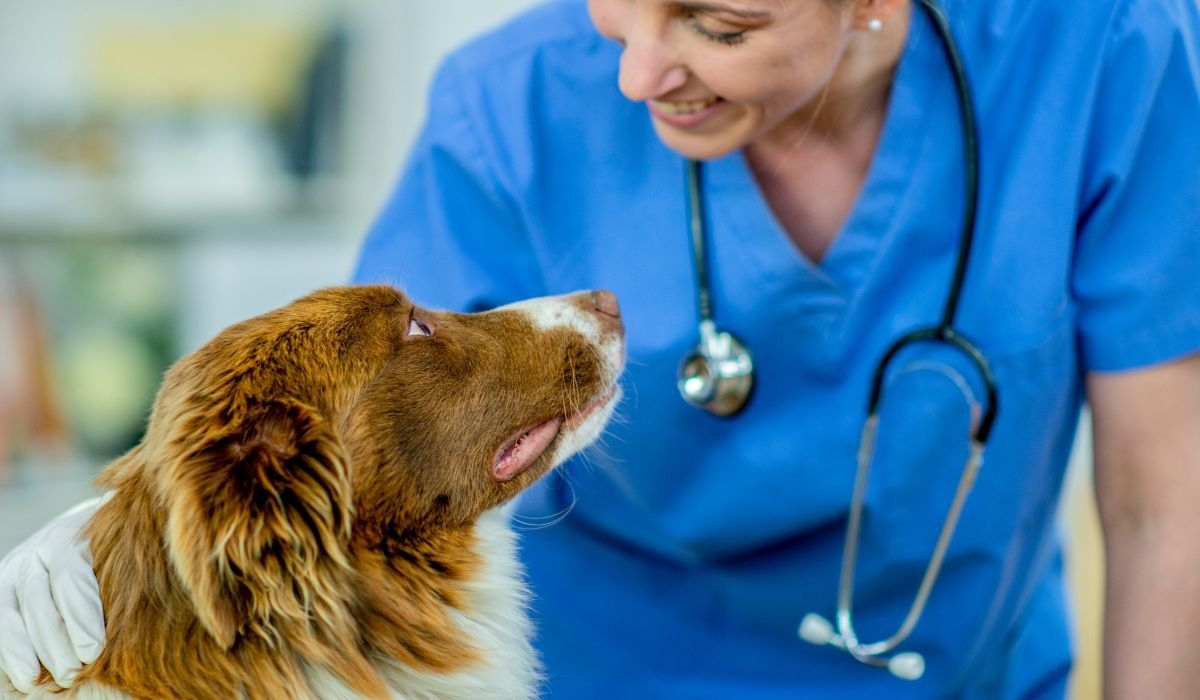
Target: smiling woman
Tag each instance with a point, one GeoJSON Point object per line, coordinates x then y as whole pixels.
{"type": "Point", "coordinates": [725, 75]}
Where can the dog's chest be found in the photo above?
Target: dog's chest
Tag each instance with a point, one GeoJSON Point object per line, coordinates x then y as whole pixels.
{"type": "Point", "coordinates": [497, 624]}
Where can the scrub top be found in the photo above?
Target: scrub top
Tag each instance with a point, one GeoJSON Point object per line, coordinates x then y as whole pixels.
{"type": "Point", "coordinates": [686, 548]}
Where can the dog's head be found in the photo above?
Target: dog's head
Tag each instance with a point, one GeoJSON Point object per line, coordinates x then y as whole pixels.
{"type": "Point", "coordinates": [353, 413]}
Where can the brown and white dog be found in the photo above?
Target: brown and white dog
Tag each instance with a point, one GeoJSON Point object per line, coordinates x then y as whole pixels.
{"type": "Point", "coordinates": [313, 512]}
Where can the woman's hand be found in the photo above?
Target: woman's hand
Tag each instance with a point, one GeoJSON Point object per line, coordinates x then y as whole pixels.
{"type": "Point", "coordinates": [50, 611]}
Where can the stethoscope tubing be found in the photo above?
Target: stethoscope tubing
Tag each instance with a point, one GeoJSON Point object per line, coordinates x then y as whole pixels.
{"type": "Point", "coordinates": [845, 623]}
{"type": "Point", "coordinates": [970, 141]}
{"type": "Point", "coordinates": [841, 634]}
{"type": "Point", "coordinates": [698, 228]}
{"type": "Point", "coordinates": [946, 333]}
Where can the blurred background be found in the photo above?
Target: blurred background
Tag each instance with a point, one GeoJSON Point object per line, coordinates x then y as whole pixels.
{"type": "Point", "coordinates": [168, 168]}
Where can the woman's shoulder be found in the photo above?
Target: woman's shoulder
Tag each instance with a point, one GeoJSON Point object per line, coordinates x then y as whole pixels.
{"type": "Point", "coordinates": [542, 84]}
{"type": "Point", "coordinates": [1060, 52]}
{"type": "Point", "coordinates": [1073, 22]}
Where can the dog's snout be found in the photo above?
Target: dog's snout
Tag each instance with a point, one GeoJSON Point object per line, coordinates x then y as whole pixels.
{"type": "Point", "coordinates": [605, 302]}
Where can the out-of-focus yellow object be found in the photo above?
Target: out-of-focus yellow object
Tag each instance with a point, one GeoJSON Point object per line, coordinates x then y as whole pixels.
{"type": "Point", "coordinates": [254, 64]}
{"type": "Point", "coordinates": [1085, 570]}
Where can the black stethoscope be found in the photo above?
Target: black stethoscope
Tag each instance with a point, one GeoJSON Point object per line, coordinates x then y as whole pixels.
{"type": "Point", "coordinates": [718, 376]}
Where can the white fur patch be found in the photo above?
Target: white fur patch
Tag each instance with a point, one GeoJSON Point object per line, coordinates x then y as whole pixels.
{"type": "Point", "coordinates": [547, 313]}
{"type": "Point", "coordinates": [497, 624]}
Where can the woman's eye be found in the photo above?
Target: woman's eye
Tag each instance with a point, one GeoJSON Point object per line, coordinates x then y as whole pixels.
{"type": "Point", "coordinates": [728, 38]}
{"type": "Point", "coordinates": [416, 327]}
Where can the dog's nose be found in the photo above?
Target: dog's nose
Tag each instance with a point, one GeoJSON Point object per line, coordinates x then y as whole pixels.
{"type": "Point", "coordinates": [606, 303]}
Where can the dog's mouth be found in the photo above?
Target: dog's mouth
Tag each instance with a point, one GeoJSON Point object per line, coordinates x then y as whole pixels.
{"type": "Point", "coordinates": [523, 447]}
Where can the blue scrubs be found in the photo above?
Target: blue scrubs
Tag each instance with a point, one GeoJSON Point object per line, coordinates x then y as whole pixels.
{"type": "Point", "coordinates": [696, 544]}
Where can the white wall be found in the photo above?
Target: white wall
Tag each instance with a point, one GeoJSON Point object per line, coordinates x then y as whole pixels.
{"type": "Point", "coordinates": [399, 44]}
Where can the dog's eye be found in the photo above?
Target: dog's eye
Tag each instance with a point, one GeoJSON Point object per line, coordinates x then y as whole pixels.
{"type": "Point", "coordinates": [416, 327]}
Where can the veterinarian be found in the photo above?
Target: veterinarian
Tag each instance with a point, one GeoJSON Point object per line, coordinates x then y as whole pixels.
{"type": "Point", "coordinates": [779, 191]}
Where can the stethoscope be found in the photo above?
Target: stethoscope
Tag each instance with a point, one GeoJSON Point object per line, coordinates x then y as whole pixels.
{"type": "Point", "coordinates": [718, 376]}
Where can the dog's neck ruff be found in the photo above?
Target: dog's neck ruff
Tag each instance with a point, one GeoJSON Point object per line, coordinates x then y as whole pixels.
{"type": "Point", "coordinates": [496, 622]}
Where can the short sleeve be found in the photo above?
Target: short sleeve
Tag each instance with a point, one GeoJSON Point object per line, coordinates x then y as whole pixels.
{"type": "Point", "coordinates": [1136, 278]}
{"type": "Point", "coordinates": [450, 235]}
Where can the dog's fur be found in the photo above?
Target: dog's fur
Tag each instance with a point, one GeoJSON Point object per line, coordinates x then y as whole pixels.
{"type": "Point", "coordinates": [313, 510]}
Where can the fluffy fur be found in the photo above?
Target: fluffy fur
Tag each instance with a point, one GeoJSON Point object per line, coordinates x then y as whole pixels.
{"type": "Point", "coordinates": [313, 510]}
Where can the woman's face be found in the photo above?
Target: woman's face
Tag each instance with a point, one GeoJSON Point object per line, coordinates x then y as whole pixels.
{"type": "Point", "coordinates": [718, 75]}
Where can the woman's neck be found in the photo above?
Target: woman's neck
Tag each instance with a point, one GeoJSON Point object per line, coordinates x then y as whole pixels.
{"type": "Point", "coordinates": [854, 102]}
{"type": "Point", "coordinates": [811, 169]}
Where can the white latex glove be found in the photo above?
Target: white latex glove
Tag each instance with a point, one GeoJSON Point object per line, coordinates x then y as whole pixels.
{"type": "Point", "coordinates": [50, 603]}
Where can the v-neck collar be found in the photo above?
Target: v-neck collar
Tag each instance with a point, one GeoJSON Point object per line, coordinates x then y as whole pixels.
{"type": "Point", "coordinates": [737, 209]}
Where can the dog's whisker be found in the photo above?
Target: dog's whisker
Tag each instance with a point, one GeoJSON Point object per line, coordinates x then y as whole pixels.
{"type": "Point", "coordinates": [596, 458]}
{"type": "Point", "coordinates": [527, 523]}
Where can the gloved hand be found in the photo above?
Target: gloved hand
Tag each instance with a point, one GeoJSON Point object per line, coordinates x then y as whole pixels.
{"type": "Point", "coordinates": [50, 603]}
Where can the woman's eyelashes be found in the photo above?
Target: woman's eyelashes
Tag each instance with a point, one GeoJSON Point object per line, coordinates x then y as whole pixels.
{"type": "Point", "coordinates": [721, 37]}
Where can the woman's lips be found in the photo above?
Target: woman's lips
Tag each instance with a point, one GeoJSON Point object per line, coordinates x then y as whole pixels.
{"type": "Point", "coordinates": [684, 114]}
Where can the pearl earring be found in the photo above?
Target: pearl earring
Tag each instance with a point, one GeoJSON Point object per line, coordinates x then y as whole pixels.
{"type": "Point", "coordinates": [875, 24]}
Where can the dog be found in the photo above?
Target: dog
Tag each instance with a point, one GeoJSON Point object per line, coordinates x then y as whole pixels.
{"type": "Point", "coordinates": [315, 510]}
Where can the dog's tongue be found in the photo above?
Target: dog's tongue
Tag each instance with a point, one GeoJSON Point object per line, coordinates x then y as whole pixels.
{"type": "Point", "coordinates": [523, 448]}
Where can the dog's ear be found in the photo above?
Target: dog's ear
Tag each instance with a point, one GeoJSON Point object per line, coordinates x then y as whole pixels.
{"type": "Point", "coordinates": [259, 522]}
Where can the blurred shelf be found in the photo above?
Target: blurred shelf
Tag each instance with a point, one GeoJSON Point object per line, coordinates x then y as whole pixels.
{"type": "Point", "coordinates": [106, 212]}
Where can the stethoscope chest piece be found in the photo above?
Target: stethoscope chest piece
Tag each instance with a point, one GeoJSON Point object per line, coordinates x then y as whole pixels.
{"type": "Point", "coordinates": [718, 375]}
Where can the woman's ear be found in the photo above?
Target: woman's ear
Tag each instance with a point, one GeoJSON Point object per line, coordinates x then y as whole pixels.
{"type": "Point", "coordinates": [259, 522]}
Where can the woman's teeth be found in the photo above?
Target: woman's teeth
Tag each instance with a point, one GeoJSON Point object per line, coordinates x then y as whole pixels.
{"type": "Point", "coordinates": [684, 107]}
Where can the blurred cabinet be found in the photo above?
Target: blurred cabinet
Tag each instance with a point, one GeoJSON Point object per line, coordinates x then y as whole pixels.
{"type": "Point", "coordinates": [93, 310]}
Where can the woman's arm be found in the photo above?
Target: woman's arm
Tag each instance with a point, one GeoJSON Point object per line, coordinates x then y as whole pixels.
{"type": "Point", "coordinates": [1147, 472]}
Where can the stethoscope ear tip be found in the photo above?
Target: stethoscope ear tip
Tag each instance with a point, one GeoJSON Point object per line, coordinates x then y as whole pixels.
{"type": "Point", "coordinates": [907, 666]}
{"type": "Point", "coordinates": [815, 629]}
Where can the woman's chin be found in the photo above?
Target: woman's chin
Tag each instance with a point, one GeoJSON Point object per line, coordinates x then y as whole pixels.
{"type": "Point", "coordinates": [701, 144]}
{"type": "Point", "coordinates": [697, 147]}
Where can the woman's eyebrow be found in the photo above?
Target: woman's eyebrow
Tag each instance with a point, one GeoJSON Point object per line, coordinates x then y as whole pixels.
{"type": "Point", "coordinates": [723, 9]}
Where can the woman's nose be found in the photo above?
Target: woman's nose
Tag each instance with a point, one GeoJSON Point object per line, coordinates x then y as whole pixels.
{"type": "Point", "coordinates": [650, 67]}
